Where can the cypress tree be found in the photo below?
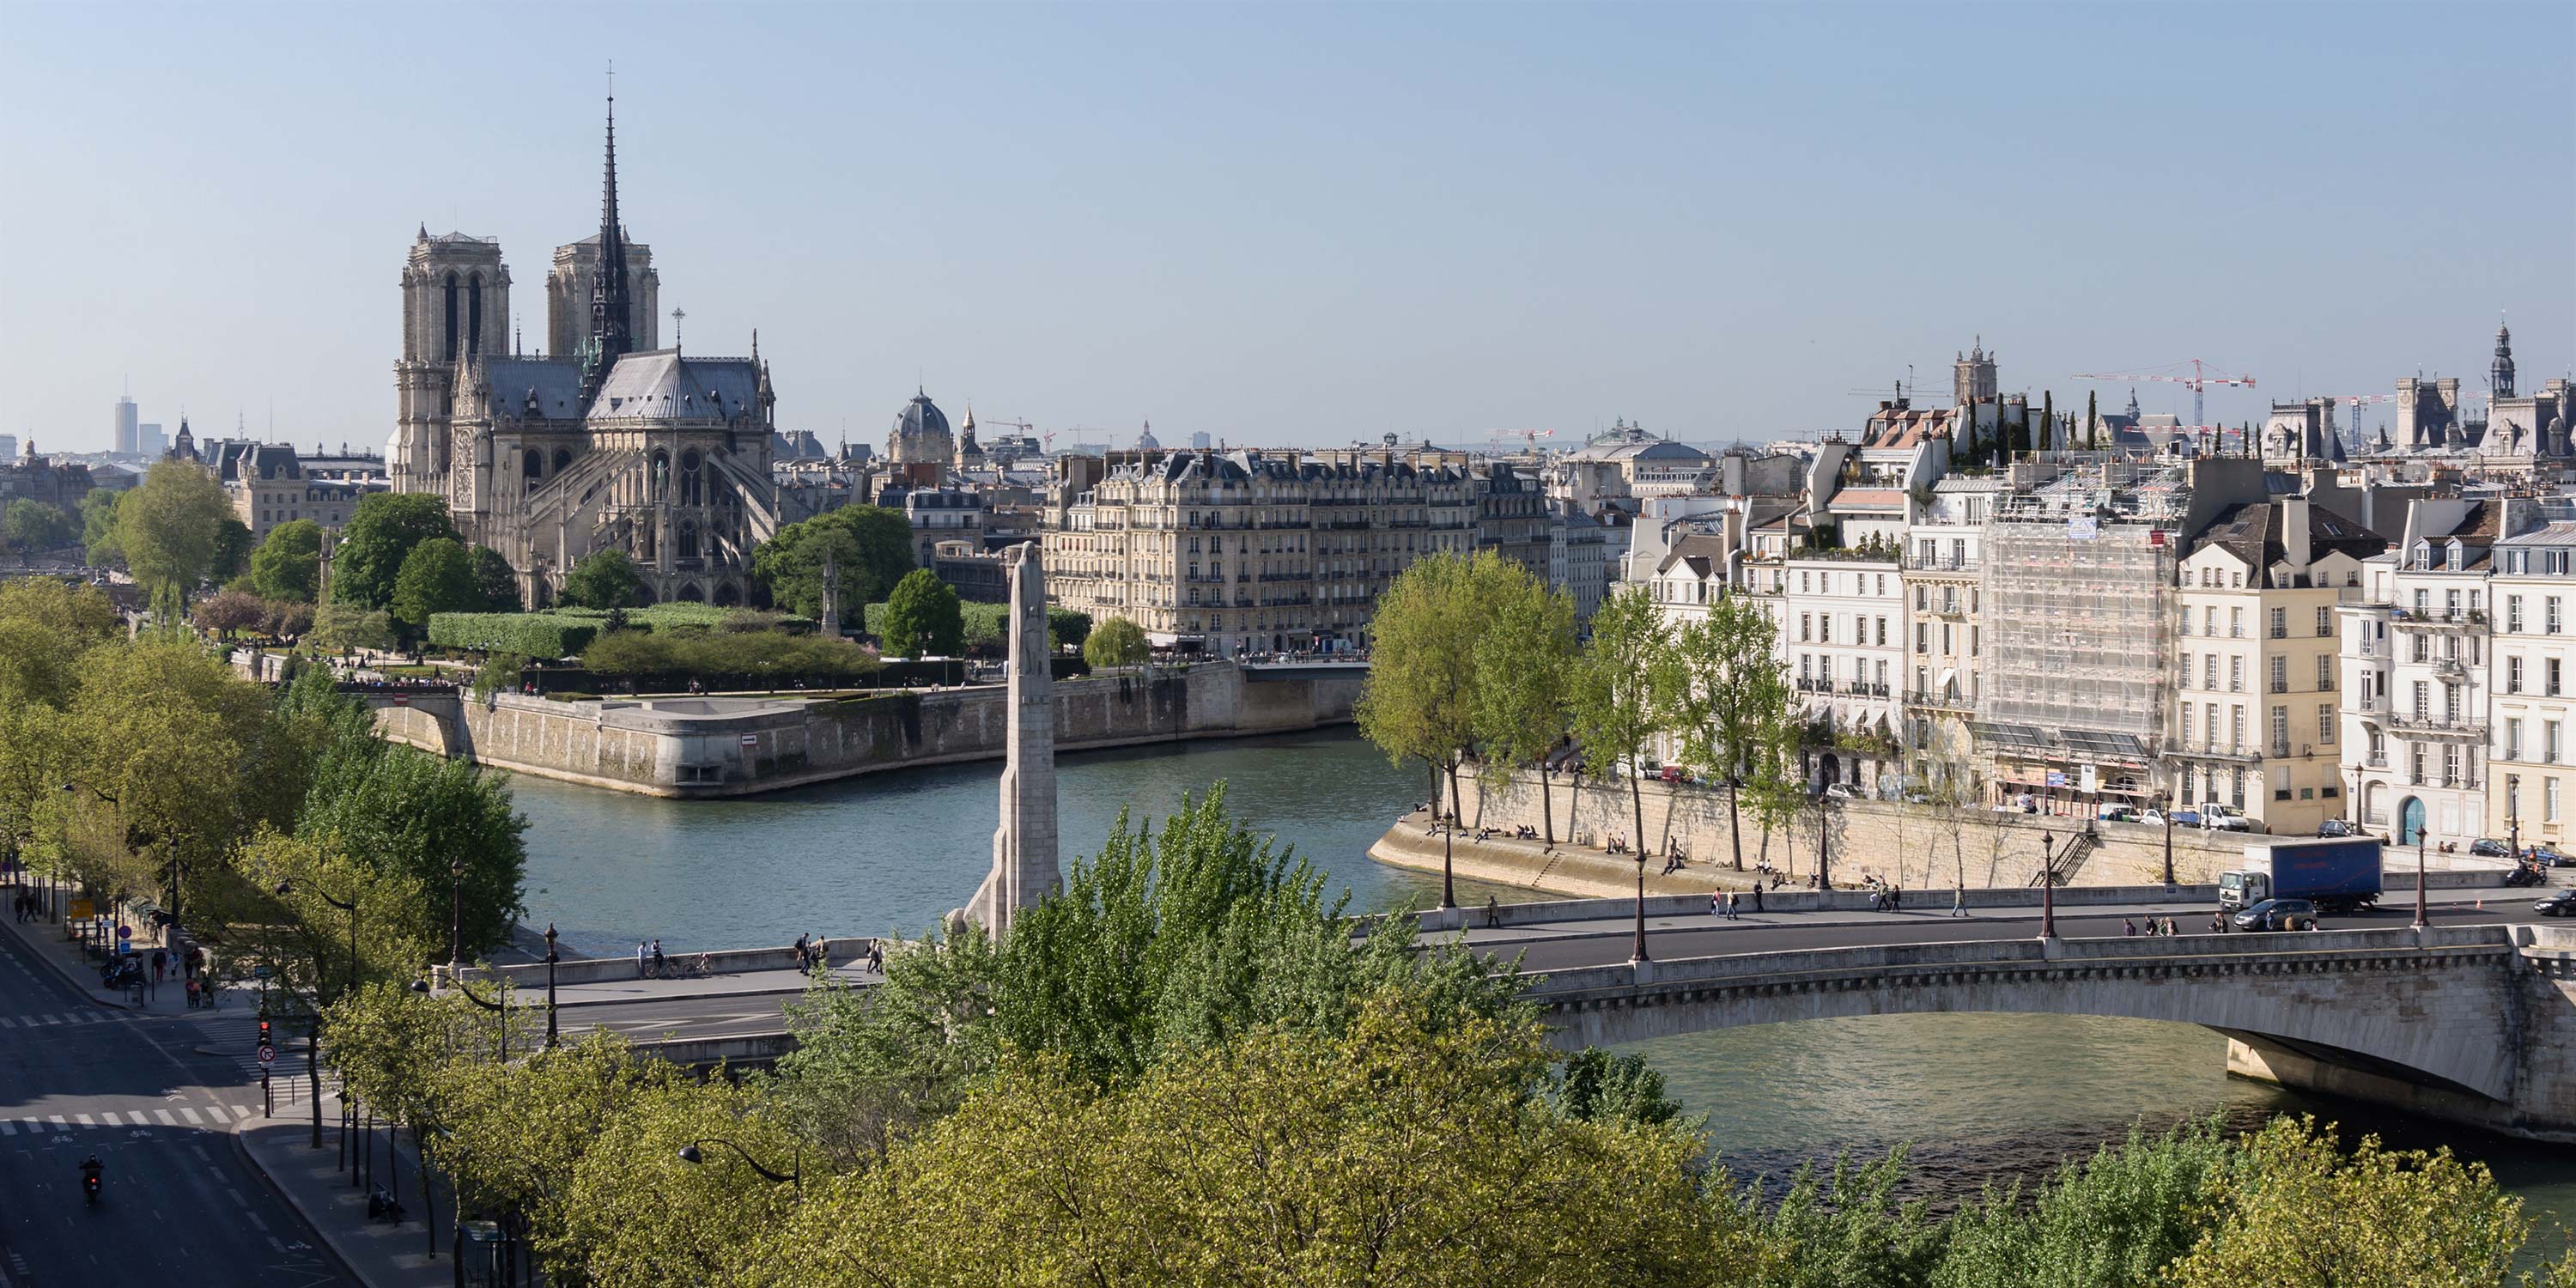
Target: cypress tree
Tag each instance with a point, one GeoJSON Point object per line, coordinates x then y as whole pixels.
{"type": "Point", "coordinates": [2047, 417]}
{"type": "Point", "coordinates": [2092, 425]}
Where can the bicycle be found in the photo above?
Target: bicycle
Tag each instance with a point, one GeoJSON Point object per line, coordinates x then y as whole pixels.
{"type": "Point", "coordinates": [681, 968]}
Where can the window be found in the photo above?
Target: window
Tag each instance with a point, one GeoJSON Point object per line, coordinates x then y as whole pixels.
{"type": "Point", "coordinates": [2423, 700]}
{"type": "Point", "coordinates": [2186, 724]}
{"type": "Point", "coordinates": [2280, 731]}
{"type": "Point", "coordinates": [1973, 632]}
{"type": "Point", "coordinates": [2280, 675]}
{"type": "Point", "coordinates": [1805, 674]}
{"type": "Point", "coordinates": [1882, 633]}
{"type": "Point", "coordinates": [2325, 621]}
{"type": "Point", "coordinates": [2549, 616]}
{"type": "Point", "coordinates": [2212, 711]}
{"type": "Point", "coordinates": [2210, 665]}
{"type": "Point", "coordinates": [1923, 637]}
{"type": "Point", "coordinates": [2378, 748]}
{"type": "Point", "coordinates": [2451, 605]}
{"type": "Point", "coordinates": [2236, 727]}
{"type": "Point", "coordinates": [1923, 593]}
{"type": "Point", "coordinates": [2325, 674]}
{"type": "Point", "coordinates": [2423, 601]}
{"type": "Point", "coordinates": [2280, 623]}
{"type": "Point", "coordinates": [2513, 675]}
{"type": "Point", "coordinates": [2415, 763]}
{"type": "Point", "coordinates": [2549, 800]}
{"type": "Point", "coordinates": [2236, 623]}
{"type": "Point", "coordinates": [2209, 621]}
{"type": "Point", "coordinates": [2186, 670]}
{"type": "Point", "coordinates": [2513, 613]}
{"type": "Point", "coordinates": [2513, 738]}
{"type": "Point", "coordinates": [2236, 675]}
{"type": "Point", "coordinates": [1824, 628]}
{"type": "Point", "coordinates": [2549, 742]}
{"type": "Point", "coordinates": [2325, 722]}
{"type": "Point", "coordinates": [1805, 622]}
{"type": "Point", "coordinates": [2186, 621]}
{"type": "Point", "coordinates": [2549, 677]}
{"type": "Point", "coordinates": [2423, 648]}
{"type": "Point", "coordinates": [2450, 764]}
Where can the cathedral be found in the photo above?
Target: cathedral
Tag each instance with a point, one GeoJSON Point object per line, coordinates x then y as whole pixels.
{"type": "Point", "coordinates": [606, 441]}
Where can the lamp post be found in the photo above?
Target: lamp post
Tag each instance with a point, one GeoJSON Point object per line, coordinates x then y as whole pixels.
{"type": "Point", "coordinates": [351, 907]}
{"type": "Point", "coordinates": [502, 1006]}
{"type": "Point", "coordinates": [2419, 879]}
{"type": "Point", "coordinates": [689, 1154]}
{"type": "Point", "coordinates": [551, 1037]}
{"type": "Point", "coordinates": [2047, 887]}
{"type": "Point", "coordinates": [456, 916]}
{"type": "Point", "coordinates": [2164, 806]}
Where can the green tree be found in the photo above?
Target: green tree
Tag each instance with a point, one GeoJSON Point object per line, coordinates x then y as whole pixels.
{"type": "Point", "coordinates": [2110, 1221]}
{"type": "Point", "coordinates": [379, 539]}
{"type": "Point", "coordinates": [2092, 420]}
{"type": "Point", "coordinates": [171, 527]}
{"type": "Point", "coordinates": [413, 813]}
{"type": "Point", "coordinates": [34, 527]}
{"type": "Point", "coordinates": [98, 528]}
{"type": "Point", "coordinates": [871, 548]}
{"type": "Point", "coordinates": [281, 915]}
{"type": "Point", "coordinates": [1067, 628]}
{"type": "Point", "coordinates": [496, 584]}
{"type": "Point", "coordinates": [288, 564]}
{"type": "Point", "coordinates": [922, 617]}
{"type": "Point", "coordinates": [348, 626]}
{"type": "Point", "coordinates": [438, 577]}
{"type": "Point", "coordinates": [228, 611]}
{"type": "Point", "coordinates": [1618, 679]}
{"type": "Point", "coordinates": [1732, 704]}
{"type": "Point", "coordinates": [231, 558]}
{"type": "Point", "coordinates": [1523, 662]}
{"type": "Point", "coordinates": [603, 579]}
{"type": "Point", "coordinates": [1116, 642]}
{"type": "Point", "coordinates": [1420, 699]}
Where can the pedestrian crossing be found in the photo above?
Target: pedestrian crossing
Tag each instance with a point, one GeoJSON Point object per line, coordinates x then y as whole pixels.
{"type": "Point", "coordinates": [55, 1019]}
{"type": "Point", "coordinates": [127, 1119]}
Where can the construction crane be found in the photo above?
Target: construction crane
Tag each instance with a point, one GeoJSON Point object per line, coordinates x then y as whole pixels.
{"type": "Point", "coordinates": [1529, 437]}
{"type": "Point", "coordinates": [2171, 374]}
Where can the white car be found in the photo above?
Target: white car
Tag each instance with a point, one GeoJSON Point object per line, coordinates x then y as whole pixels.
{"type": "Point", "coordinates": [2225, 818]}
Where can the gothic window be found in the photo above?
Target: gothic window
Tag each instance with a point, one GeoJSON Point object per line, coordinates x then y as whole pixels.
{"type": "Point", "coordinates": [450, 353]}
{"type": "Point", "coordinates": [688, 541]}
{"type": "Point", "coordinates": [562, 459]}
{"type": "Point", "coordinates": [532, 466]}
{"type": "Point", "coordinates": [474, 315]}
{"type": "Point", "coordinates": [693, 489]}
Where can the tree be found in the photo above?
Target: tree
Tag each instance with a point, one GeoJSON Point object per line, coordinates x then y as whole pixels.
{"type": "Point", "coordinates": [348, 626]}
{"type": "Point", "coordinates": [98, 528]}
{"type": "Point", "coordinates": [1067, 628]}
{"type": "Point", "coordinates": [227, 611]}
{"type": "Point", "coordinates": [2092, 420]}
{"type": "Point", "coordinates": [1522, 667]}
{"type": "Point", "coordinates": [438, 577]}
{"type": "Point", "coordinates": [413, 813]}
{"type": "Point", "coordinates": [231, 557]}
{"type": "Point", "coordinates": [171, 527]}
{"type": "Point", "coordinates": [300, 934]}
{"type": "Point", "coordinates": [922, 618]}
{"type": "Point", "coordinates": [1116, 642]}
{"type": "Point", "coordinates": [1732, 702]}
{"type": "Point", "coordinates": [871, 548]}
{"type": "Point", "coordinates": [35, 527]}
{"type": "Point", "coordinates": [288, 565]}
{"type": "Point", "coordinates": [379, 539]}
{"type": "Point", "coordinates": [1615, 698]}
{"type": "Point", "coordinates": [1420, 699]}
{"type": "Point", "coordinates": [496, 584]}
{"type": "Point", "coordinates": [603, 579]}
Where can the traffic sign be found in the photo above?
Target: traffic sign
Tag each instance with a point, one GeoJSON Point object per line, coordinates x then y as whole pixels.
{"type": "Point", "coordinates": [751, 740]}
{"type": "Point", "coordinates": [125, 932]}
{"type": "Point", "coordinates": [267, 1055]}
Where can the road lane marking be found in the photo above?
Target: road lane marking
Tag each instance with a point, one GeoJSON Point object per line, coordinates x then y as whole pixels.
{"type": "Point", "coordinates": [85, 1120]}
{"type": "Point", "coordinates": [8, 1128]}
{"type": "Point", "coordinates": [109, 1118]}
{"type": "Point", "coordinates": [191, 1116]}
{"type": "Point", "coordinates": [262, 1225]}
{"type": "Point", "coordinates": [166, 1119]}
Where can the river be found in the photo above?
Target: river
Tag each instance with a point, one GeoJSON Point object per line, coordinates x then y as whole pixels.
{"type": "Point", "coordinates": [1979, 1097]}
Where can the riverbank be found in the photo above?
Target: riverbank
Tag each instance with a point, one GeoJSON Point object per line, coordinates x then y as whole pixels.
{"type": "Point", "coordinates": [710, 747]}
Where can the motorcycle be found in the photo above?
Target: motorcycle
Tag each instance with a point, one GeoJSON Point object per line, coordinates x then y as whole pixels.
{"type": "Point", "coordinates": [89, 1181]}
{"type": "Point", "coordinates": [2524, 875]}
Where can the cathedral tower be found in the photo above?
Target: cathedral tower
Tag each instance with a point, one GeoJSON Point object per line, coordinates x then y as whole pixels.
{"type": "Point", "coordinates": [568, 292]}
{"type": "Point", "coordinates": [456, 304]}
{"type": "Point", "coordinates": [1972, 377]}
{"type": "Point", "coordinates": [612, 318]}
{"type": "Point", "coordinates": [2501, 374]}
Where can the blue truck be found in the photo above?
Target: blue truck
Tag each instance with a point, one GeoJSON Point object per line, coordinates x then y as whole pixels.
{"type": "Point", "coordinates": [2338, 874]}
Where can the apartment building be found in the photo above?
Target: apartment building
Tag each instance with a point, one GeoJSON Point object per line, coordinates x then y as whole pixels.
{"type": "Point", "coordinates": [2413, 658]}
{"type": "Point", "coordinates": [1250, 551]}
{"type": "Point", "coordinates": [2256, 721]}
{"type": "Point", "coordinates": [1844, 642]}
{"type": "Point", "coordinates": [1944, 601]}
{"type": "Point", "coordinates": [2532, 765]}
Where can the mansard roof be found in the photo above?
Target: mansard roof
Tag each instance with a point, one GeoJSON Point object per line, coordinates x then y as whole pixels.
{"type": "Point", "coordinates": [661, 384]}
{"type": "Point", "coordinates": [555, 383]}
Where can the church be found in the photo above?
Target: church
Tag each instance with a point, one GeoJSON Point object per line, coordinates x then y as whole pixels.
{"type": "Point", "coordinates": [604, 442]}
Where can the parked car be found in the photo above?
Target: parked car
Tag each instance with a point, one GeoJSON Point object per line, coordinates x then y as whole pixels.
{"type": "Point", "coordinates": [2120, 814]}
{"type": "Point", "coordinates": [2180, 817]}
{"type": "Point", "coordinates": [2491, 849]}
{"type": "Point", "coordinates": [2337, 827]}
{"type": "Point", "coordinates": [2278, 914]}
{"type": "Point", "coordinates": [2561, 904]}
{"type": "Point", "coordinates": [1841, 792]}
{"type": "Point", "coordinates": [2548, 858]}
{"type": "Point", "coordinates": [2224, 818]}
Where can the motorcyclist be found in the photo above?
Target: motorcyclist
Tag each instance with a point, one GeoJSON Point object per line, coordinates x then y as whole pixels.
{"type": "Point", "coordinates": [89, 1177]}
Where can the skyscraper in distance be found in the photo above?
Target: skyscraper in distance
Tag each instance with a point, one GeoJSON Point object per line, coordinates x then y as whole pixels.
{"type": "Point", "coordinates": [127, 439]}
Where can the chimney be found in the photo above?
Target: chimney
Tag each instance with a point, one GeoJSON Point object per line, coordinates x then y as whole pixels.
{"type": "Point", "coordinates": [2294, 532]}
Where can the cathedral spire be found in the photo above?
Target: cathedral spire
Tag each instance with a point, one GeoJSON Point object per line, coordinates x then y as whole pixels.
{"type": "Point", "coordinates": [612, 333]}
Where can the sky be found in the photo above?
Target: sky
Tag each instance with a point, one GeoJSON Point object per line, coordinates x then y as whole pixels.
{"type": "Point", "coordinates": [1300, 224]}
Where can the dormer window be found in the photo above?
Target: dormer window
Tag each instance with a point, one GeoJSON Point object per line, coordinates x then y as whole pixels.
{"type": "Point", "coordinates": [2453, 560]}
{"type": "Point", "coordinates": [2423, 554]}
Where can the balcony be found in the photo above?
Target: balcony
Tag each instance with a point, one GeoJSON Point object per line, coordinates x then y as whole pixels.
{"type": "Point", "coordinates": [1919, 562]}
{"type": "Point", "coordinates": [1942, 700]}
{"type": "Point", "coordinates": [2437, 726]}
{"type": "Point", "coordinates": [2214, 749]}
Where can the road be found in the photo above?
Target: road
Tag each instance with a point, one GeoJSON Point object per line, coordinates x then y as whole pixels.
{"type": "Point", "coordinates": [1606, 941]}
{"type": "Point", "coordinates": [179, 1206]}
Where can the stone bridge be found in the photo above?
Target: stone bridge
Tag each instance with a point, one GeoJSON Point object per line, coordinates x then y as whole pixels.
{"type": "Point", "coordinates": [2474, 1024]}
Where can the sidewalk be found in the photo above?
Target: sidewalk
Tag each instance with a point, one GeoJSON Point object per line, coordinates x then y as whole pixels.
{"type": "Point", "coordinates": [762, 983]}
{"type": "Point", "coordinates": [47, 942]}
{"type": "Point", "coordinates": [315, 1182]}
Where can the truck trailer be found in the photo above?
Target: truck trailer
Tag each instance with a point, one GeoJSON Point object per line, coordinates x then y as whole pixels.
{"type": "Point", "coordinates": [2340, 874]}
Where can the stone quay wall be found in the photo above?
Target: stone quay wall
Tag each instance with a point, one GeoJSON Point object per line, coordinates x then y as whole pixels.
{"type": "Point", "coordinates": [732, 746]}
{"type": "Point", "coordinates": [1919, 847]}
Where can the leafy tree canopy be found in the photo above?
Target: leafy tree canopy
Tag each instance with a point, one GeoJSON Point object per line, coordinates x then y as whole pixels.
{"type": "Point", "coordinates": [413, 813]}
{"type": "Point", "coordinates": [288, 564]}
{"type": "Point", "coordinates": [496, 584]}
{"type": "Point", "coordinates": [922, 617]}
{"type": "Point", "coordinates": [1117, 642]}
{"type": "Point", "coordinates": [98, 528]}
{"type": "Point", "coordinates": [379, 539]}
{"type": "Point", "coordinates": [33, 527]}
{"type": "Point", "coordinates": [603, 579]}
{"type": "Point", "coordinates": [171, 527]}
{"type": "Point", "coordinates": [437, 577]}
{"type": "Point", "coordinates": [871, 548]}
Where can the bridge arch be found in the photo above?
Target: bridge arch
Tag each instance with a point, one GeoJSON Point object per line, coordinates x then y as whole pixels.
{"type": "Point", "coordinates": [2433, 1015]}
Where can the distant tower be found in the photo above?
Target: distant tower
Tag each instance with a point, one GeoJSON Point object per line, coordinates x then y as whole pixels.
{"type": "Point", "coordinates": [455, 293]}
{"type": "Point", "coordinates": [612, 315]}
{"type": "Point", "coordinates": [1972, 377]}
{"type": "Point", "coordinates": [129, 434]}
{"type": "Point", "coordinates": [2501, 374]}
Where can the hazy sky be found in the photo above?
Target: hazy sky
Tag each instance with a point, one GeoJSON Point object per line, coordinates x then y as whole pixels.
{"type": "Point", "coordinates": [1299, 223]}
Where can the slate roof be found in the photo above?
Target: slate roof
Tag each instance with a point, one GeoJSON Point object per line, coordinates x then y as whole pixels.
{"type": "Point", "coordinates": [1703, 553]}
{"type": "Point", "coordinates": [663, 385]}
{"type": "Point", "coordinates": [2252, 533]}
{"type": "Point", "coordinates": [2556, 532]}
{"type": "Point", "coordinates": [556, 382]}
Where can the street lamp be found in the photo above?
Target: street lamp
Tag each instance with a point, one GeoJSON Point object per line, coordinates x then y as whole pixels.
{"type": "Point", "coordinates": [2164, 806]}
{"type": "Point", "coordinates": [421, 986]}
{"type": "Point", "coordinates": [550, 986]}
{"type": "Point", "coordinates": [2419, 880]}
{"type": "Point", "coordinates": [2047, 887]}
{"type": "Point", "coordinates": [456, 915]}
{"type": "Point", "coordinates": [287, 887]}
{"type": "Point", "coordinates": [689, 1154]}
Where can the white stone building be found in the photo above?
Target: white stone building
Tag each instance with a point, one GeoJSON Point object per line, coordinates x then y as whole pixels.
{"type": "Point", "coordinates": [2533, 750]}
{"type": "Point", "coordinates": [2414, 669]}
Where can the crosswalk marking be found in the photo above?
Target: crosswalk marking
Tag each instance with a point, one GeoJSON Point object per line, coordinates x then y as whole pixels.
{"type": "Point", "coordinates": [85, 1120]}
{"type": "Point", "coordinates": [109, 1118]}
{"type": "Point", "coordinates": [8, 1128]}
{"type": "Point", "coordinates": [166, 1119]}
{"type": "Point", "coordinates": [58, 1122]}
{"type": "Point", "coordinates": [191, 1116]}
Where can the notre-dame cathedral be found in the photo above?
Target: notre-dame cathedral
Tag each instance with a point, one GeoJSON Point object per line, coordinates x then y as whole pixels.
{"type": "Point", "coordinates": [604, 442]}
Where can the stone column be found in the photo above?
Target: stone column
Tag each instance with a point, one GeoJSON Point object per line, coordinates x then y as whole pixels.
{"type": "Point", "coordinates": [831, 596]}
{"type": "Point", "coordinates": [1024, 846]}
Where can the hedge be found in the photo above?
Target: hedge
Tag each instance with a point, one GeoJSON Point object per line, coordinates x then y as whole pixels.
{"type": "Point", "coordinates": [540, 635]}
{"type": "Point", "coordinates": [984, 622]}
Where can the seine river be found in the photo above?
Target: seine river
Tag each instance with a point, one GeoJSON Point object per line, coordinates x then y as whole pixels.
{"type": "Point", "coordinates": [1977, 1096]}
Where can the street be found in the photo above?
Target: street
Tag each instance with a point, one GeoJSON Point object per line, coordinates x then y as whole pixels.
{"type": "Point", "coordinates": [178, 1206]}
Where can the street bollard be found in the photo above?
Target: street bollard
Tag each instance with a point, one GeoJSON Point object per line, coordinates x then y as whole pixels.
{"type": "Point", "coordinates": [267, 1106]}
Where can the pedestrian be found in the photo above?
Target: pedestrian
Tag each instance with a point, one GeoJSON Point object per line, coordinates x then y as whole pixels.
{"type": "Point", "coordinates": [1958, 901]}
{"type": "Point", "coordinates": [192, 992]}
{"type": "Point", "coordinates": [639, 959]}
{"type": "Point", "coordinates": [876, 956]}
{"type": "Point", "coordinates": [160, 964]}
{"type": "Point", "coordinates": [1717, 904]}
{"type": "Point", "coordinates": [822, 952]}
{"type": "Point", "coordinates": [2128, 928]}
{"type": "Point", "coordinates": [804, 953]}
{"type": "Point", "coordinates": [1493, 913]}
{"type": "Point", "coordinates": [657, 956]}
{"type": "Point", "coordinates": [2170, 931]}
{"type": "Point", "coordinates": [1757, 896]}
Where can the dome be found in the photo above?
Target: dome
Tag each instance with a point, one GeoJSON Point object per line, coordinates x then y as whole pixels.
{"type": "Point", "coordinates": [1145, 441]}
{"type": "Point", "coordinates": [920, 433]}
